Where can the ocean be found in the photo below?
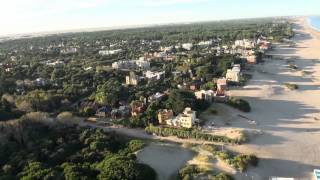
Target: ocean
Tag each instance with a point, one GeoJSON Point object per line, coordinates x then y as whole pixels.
{"type": "Point", "coordinates": [315, 22]}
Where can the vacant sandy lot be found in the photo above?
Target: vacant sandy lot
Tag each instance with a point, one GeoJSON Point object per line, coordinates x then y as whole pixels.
{"type": "Point", "coordinates": [166, 159]}
{"type": "Point", "coordinates": [287, 130]}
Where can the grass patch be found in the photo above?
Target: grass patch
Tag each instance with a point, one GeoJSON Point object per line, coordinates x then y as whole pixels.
{"type": "Point", "coordinates": [194, 172]}
{"type": "Point", "coordinates": [240, 161]}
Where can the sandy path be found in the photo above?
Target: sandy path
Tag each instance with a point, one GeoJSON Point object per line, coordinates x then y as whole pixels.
{"type": "Point", "coordinates": [290, 143]}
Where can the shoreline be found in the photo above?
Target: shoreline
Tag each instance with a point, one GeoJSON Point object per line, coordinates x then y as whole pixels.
{"type": "Point", "coordinates": [308, 20]}
{"type": "Point", "coordinates": [305, 22]}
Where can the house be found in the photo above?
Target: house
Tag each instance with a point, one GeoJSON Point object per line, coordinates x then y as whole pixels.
{"type": "Point", "coordinates": [187, 46]}
{"type": "Point", "coordinates": [252, 59]}
{"type": "Point", "coordinates": [132, 79]}
{"type": "Point", "coordinates": [186, 119]}
{"type": "Point", "coordinates": [69, 50]}
{"type": "Point", "coordinates": [88, 68]}
{"type": "Point", "coordinates": [56, 63]}
{"type": "Point", "coordinates": [236, 67]}
{"type": "Point", "coordinates": [245, 43]}
{"type": "Point", "coordinates": [167, 49]}
{"type": "Point", "coordinates": [103, 112]}
{"type": "Point", "coordinates": [169, 57]}
{"type": "Point", "coordinates": [131, 65]}
{"type": "Point", "coordinates": [154, 75]}
{"type": "Point", "coordinates": [144, 65]}
{"type": "Point", "coordinates": [205, 43]}
{"type": "Point", "coordinates": [137, 107]}
{"type": "Point", "coordinates": [124, 65]}
{"type": "Point", "coordinates": [221, 87]}
{"type": "Point", "coordinates": [264, 46]}
{"type": "Point", "coordinates": [164, 115]}
{"type": "Point", "coordinates": [233, 74]}
{"type": "Point", "coordinates": [156, 97]}
{"type": "Point", "coordinates": [109, 52]}
{"type": "Point", "coordinates": [13, 58]}
{"type": "Point", "coordinates": [121, 112]}
{"type": "Point", "coordinates": [40, 82]}
{"type": "Point", "coordinates": [205, 95]}
{"type": "Point", "coordinates": [8, 69]}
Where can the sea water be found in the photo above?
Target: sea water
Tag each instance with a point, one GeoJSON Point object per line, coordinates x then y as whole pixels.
{"type": "Point", "coordinates": [315, 22]}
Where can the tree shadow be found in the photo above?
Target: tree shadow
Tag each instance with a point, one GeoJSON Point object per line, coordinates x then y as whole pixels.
{"type": "Point", "coordinates": [280, 112]}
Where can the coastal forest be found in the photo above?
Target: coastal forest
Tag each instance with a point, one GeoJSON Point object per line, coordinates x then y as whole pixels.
{"type": "Point", "coordinates": [48, 84]}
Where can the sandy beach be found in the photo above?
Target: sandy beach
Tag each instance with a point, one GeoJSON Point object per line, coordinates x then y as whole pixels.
{"type": "Point", "coordinates": [288, 121]}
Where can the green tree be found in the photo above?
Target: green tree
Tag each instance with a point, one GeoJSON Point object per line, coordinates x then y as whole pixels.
{"type": "Point", "coordinates": [118, 168]}
{"type": "Point", "coordinates": [108, 93]}
{"type": "Point", "coordinates": [180, 99]}
{"type": "Point", "coordinates": [77, 172]}
{"type": "Point", "coordinates": [38, 171]}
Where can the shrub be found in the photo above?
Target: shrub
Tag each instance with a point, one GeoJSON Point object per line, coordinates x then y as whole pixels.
{"type": "Point", "coordinates": [65, 117]}
{"type": "Point", "coordinates": [222, 176]}
{"type": "Point", "coordinates": [135, 145]}
{"type": "Point", "coordinates": [292, 66]}
{"type": "Point", "coordinates": [213, 110]}
{"type": "Point", "coordinates": [291, 86]}
{"type": "Point", "coordinates": [188, 171]}
{"type": "Point", "coordinates": [223, 155]}
{"type": "Point", "coordinates": [211, 148]}
{"type": "Point", "coordinates": [253, 160]}
{"type": "Point", "coordinates": [240, 104]}
{"type": "Point", "coordinates": [242, 138]}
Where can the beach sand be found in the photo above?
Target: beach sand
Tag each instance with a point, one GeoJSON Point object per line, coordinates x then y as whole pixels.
{"type": "Point", "coordinates": [165, 159]}
{"type": "Point", "coordinates": [288, 120]}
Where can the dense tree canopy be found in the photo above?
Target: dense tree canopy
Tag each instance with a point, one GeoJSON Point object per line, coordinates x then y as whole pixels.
{"type": "Point", "coordinates": [36, 148]}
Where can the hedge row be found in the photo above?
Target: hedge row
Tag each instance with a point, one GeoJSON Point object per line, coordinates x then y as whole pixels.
{"type": "Point", "coordinates": [191, 134]}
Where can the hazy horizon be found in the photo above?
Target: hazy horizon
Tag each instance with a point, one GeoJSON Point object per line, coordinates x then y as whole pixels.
{"type": "Point", "coordinates": [44, 16]}
{"type": "Point", "coordinates": [121, 27]}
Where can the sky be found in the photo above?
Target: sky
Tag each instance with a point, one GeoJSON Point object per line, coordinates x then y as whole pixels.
{"type": "Point", "coordinates": [26, 16]}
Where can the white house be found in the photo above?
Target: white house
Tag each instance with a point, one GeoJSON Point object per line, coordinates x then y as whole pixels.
{"type": "Point", "coordinates": [109, 52]}
{"type": "Point", "coordinates": [154, 75]}
{"type": "Point", "coordinates": [142, 64]}
{"type": "Point", "coordinates": [167, 49]}
{"type": "Point", "coordinates": [70, 50]}
{"type": "Point", "coordinates": [186, 119]}
{"type": "Point", "coordinates": [233, 74]}
{"type": "Point", "coordinates": [131, 65]}
{"type": "Point", "coordinates": [205, 43]}
{"type": "Point", "coordinates": [245, 43]}
{"type": "Point", "coordinates": [187, 46]}
{"type": "Point", "coordinates": [205, 95]}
